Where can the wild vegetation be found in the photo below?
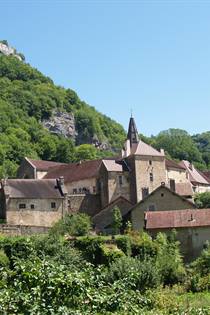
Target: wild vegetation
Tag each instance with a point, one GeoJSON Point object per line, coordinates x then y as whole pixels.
{"type": "Point", "coordinates": [128, 274]}
{"type": "Point", "coordinates": [27, 97]}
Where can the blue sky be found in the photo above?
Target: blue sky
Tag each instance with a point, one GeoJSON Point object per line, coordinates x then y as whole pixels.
{"type": "Point", "coordinates": [151, 56]}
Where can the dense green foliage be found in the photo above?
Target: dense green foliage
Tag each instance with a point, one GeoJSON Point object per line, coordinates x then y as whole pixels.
{"type": "Point", "coordinates": [51, 275]}
{"type": "Point", "coordinates": [72, 224]}
{"type": "Point", "coordinates": [26, 98]}
{"type": "Point", "coordinates": [202, 200]}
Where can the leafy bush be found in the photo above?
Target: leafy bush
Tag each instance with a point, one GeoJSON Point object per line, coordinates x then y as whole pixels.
{"type": "Point", "coordinates": [137, 274]}
{"type": "Point", "coordinates": [76, 224]}
{"type": "Point", "coordinates": [169, 261]}
{"type": "Point", "coordinates": [4, 260]}
{"type": "Point", "coordinates": [202, 200]}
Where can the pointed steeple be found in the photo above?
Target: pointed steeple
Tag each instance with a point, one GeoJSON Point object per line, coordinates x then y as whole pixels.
{"type": "Point", "coordinates": [132, 132]}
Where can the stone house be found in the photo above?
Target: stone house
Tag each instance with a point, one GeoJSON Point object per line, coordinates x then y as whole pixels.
{"type": "Point", "coordinates": [104, 219]}
{"type": "Point", "coordinates": [161, 199]}
{"type": "Point", "coordinates": [32, 202]}
{"type": "Point", "coordinates": [200, 183]}
{"type": "Point", "coordinates": [175, 173]}
{"type": "Point", "coordinates": [92, 185]}
{"type": "Point", "coordinates": [192, 227]}
{"type": "Point", "coordinates": [35, 169]}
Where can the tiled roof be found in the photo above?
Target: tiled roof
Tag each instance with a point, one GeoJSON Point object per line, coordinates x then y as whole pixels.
{"type": "Point", "coordinates": [142, 148]}
{"type": "Point", "coordinates": [75, 171]}
{"type": "Point", "coordinates": [194, 175]}
{"type": "Point", "coordinates": [206, 175]}
{"type": "Point", "coordinates": [42, 165]}
{"type": "Point", "coordinates": [172, 164]}
{"type": "Point", "coordinates": [112, 166]}
{"type": "Point", "coordinates": [184, 189]}
{"type": "Point", "coordinates": [32, 188]}
{"type": "Point", "coordinates": [177, 218]}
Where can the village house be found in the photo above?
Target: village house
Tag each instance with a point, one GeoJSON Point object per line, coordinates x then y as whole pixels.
{"type": "Point", "coordinates": [138, 181]}
{"type": "Point", "coordinates": [192, 228]}
{"type": "Point", "coordinates": [35, 169]}
{"type": "Point", "coordinates": [93, 185]}
{"type": "Point", "coordinates": [199, 181]}
{"type": "Point", "coordinates": [162, 198]}
{"type": "Point", "coordinates": [32, 203]}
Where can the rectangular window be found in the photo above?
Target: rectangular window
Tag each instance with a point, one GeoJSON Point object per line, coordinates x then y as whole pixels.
{"type": "Point", "coordinates": [53, 205]}
{"type": "Point", "coordinates": [22, 206]}
{"type": "Point", "coordinates": [94, 189]}
{"type": "Point", "coordinates": [32, 207]}
{"type": "Point", "coordinates": [120, 180]}
{"type": "Point", "coordinates": [172, 185]}
{"type": "Point", "coordinates": [75, 191]}
{"type": "Point", "coordinates": [150, 162]}
{"type": "Point", "coordinates": [151, 177]}
{"type": "Point", "coordinates": [145, 192]}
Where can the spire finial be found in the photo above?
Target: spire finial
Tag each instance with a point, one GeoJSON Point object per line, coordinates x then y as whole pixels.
{"type": "Point", "coordinates": [131, 112]}
{"type": "Point", "coordinates": [132, 131]}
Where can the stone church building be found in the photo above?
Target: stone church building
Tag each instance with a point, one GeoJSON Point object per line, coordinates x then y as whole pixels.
{"type": "Point", "coordinates": [92, 186]}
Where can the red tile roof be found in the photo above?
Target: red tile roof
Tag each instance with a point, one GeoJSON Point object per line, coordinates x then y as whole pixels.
{"type": "Point", "coordinates": [75, 171]}
{"type": "Point", "coordinates": [177, 218]}
{"type": "Point", "coordinates": [206, 174]}
{"type": "Point", "coordinates": [194, 175]}
{"type": "Point", "coordinates": [142, 148]}
{"type": "Point", "coordinates": [42, 165]}
{"type": "Point", "coordinates": [172, 164]}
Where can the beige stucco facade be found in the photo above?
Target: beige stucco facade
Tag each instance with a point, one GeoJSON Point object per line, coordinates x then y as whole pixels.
{"type": "Point", "coordinates": [90, 184]}
{"type": "Point", "coordinates": [161, 200]}
{"type": "Point", "coordinates": [42, 215]}
{"type": "Point", "coordinates": [178, 175]}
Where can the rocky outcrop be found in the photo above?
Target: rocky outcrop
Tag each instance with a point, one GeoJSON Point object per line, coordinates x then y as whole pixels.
{"type": "Point", "coordinates": [61, 123]}
{"type": "Point", "coordinates": [5, 49]}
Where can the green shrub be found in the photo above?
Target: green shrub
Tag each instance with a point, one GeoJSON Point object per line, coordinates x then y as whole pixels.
{"type": "Point", "coordinates": [137, 274]}
{"type": "Point", "coordinates": [123, 242]}
{"type": "Point", "coordinates": [110, 253]}
{"type": "Point", "coordinates": [143, 246]}
{"type": "Point", "coordinates": [16, 247]}
{"type": "Point", "coordinates": [4, 260]}
{"type": "Point", "coordinates": [169, 261]}
{"type": "Point", "coordinates": [202, 264]}
{"type": "Point", "coordinates": [76, 224]}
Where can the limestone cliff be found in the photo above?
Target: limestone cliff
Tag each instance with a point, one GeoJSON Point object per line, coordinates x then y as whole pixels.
{"type": "Point", "coordinates": [61, 123]}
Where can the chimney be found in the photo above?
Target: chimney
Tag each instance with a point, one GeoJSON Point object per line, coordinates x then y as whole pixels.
{"type": "Point", "coordinates": [61, 181]}
{"type": "Point", "coordinates": [162, 151]}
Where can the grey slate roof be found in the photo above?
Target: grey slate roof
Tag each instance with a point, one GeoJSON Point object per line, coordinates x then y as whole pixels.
{"type": "Point", "coordinates": [32, 188]}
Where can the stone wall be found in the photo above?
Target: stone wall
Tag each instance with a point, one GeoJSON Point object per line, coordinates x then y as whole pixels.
{"type": "Point", "coordinates": [143, 168]}
{"type": "Point", "coordinates": [88, 183]}
{"type": "Point", "coordinates": [13, 230]}
{"type": "Point", "coordinates": [178, 175]}
{"type": "Point", "coordinates": [42, 214]}
{"type": "Point", "coordinates": [192, 240]}
{"type": "Point", "coordinates": [118, 185]}
{"type": "Point", "coordinates": [26, 170]}
{"type": "Point", "coordinates": [89, 204]}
